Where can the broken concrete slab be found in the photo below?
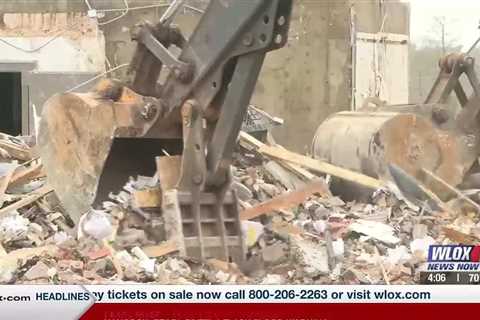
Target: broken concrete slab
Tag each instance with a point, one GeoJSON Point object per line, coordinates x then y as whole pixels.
{"type": "Point", "coordinates": [273, 279]}
{"type": "Point", "coordinates": [39, 271]}
{"type": "Point", "coordinates": [275, 254]}
{"type": "Point", "coordinates": [375, 230]}
{"type": "Point", "coordinates": [313, 257]}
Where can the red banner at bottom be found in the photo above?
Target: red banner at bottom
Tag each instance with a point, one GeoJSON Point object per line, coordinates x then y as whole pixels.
{"type": "Point", "coordinates": [114, 311]}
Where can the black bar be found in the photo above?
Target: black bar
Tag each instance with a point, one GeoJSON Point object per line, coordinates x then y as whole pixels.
{"type": "Point", "coordinates": [449, 277]}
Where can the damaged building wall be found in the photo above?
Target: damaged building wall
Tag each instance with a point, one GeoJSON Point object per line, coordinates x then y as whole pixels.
{"type": "Point", "coordinates": [52, 51]}
{"type": "Point", "coordinates": [310, 78]}
{"type": "Point", "coordinates": [317, 63]}
{"type": "Point", "coordinates": [57, 42]}
{"type": "Point", "coordinates": [380, 50]}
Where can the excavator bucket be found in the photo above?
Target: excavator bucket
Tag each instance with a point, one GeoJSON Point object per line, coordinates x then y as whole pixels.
{"type": "Point", "coordinates": [90, 147]}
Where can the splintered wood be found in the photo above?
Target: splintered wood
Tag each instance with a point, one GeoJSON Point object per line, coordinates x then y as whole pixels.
{"type": "Point", "coordinates": [22, 176]}
{"type": "Point", "coordinates": [321, 167]}
{"type": "Point", "coordinates": [37, 194]}
{"type": "Point", "coordinates": [460, 237]}
{"type": "Point", "coordinates": [16, 151]}
{"type": "Point", "coordinates": [279, 153]}
{"type": "Point", "coordinates": [285, 201]}
{"type": "Point", "coordinates": [452, 189]}
{"type": "Point", "coordinates": [161, 249]}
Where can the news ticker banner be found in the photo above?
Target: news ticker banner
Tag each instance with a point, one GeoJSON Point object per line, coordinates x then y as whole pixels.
{"type": "Point", "coordinates": [73, 302]}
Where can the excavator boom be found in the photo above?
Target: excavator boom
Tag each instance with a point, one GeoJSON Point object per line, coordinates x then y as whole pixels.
{"type": "Point", "coordinates": [91, 143]}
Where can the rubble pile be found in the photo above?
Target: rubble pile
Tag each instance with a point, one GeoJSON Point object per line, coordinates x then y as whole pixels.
{"type": "Point", "coordinates": [295, 230]}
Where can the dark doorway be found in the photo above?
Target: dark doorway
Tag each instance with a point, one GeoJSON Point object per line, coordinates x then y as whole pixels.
{"type": "Point", "coordinates": [11, 103]}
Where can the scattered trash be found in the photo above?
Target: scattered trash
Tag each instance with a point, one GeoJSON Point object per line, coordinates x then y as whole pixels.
{"type": "Point", "coordinates": [96, 224]}
{"type": "Point", "coordinates": [375, 230]}
{"type": "Point", "coordinates": [419, 247]}
{"type": "Point", "coordinates": [252, 232]}
{"type": "Point", "coordinates": [273, 279]}
{"type": "Point", "coordinates": [311, 256]}
{"type": "Point", "coordinates": [294, 229]}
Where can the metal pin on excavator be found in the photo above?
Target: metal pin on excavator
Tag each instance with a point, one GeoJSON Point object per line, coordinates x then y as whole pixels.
{"type": "Point", "coordinates": [91, 143]}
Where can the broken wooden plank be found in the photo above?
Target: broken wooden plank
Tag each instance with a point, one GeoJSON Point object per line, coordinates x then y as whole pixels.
{"type": "Point", "coordinates": [285, 201]}
{"type": "Point", "coordinates": [414, 192]}
{"type": "Point", "coordinates": [27, 253]}
{"type": "Point", "coordinates": [4, 154]}
{"type": "Point", "coordinates": [22, 176]}
{"type": "Point", "coordinates": [452, 189]}
{"type": "Point", "coordinates": [332, 261]}
{"type": "Point", "coordinates": [6, 172]}
{"type": "Point", "coordinates": [460, 237]}
{"type": "Point", "coordinates": [16, 151]}
{"type": "Point", "coordinates": [160, 250]}
{"type": "Point", "coordinates": [114, 260]}
{"type": "Point", "coordinates": [37, 194]}
{"type": "Point", "coordinates": [305, 174]}
{"type": "Point", "coordinates": [249, 142]}
{"type": "Point", "coordinates": [280, 153]}
{"type": "Point", "coordinates": [3, 252]}
{"type": "Point", "coordinates": [287, 178]}
{"type": "Point", "coordinates": [148, 198]}
{"type": "Point", "coordinates": [321, 167]}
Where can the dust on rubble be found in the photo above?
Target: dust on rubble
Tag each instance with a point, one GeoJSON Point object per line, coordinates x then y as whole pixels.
{"type": "Point", "coordinates": [301, 238]}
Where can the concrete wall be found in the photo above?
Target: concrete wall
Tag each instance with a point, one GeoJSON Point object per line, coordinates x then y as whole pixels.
{"type": "Point", "coordinates": [64, 55]}
{"type": "Point", "coordinates": [55, 42]}
{"type": "Point", "coordinates": [304, 82]}
{"type": "Point", "coordinates": [309, 78]}
{"type": "Point", "coordinates": [53, 52]}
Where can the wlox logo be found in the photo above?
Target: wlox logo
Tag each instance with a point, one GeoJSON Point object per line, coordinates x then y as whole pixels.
{"type": "Point", "coordinates": [453, 253]}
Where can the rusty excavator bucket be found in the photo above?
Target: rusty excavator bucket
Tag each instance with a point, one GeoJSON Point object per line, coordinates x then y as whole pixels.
{"type": "Point", "coordinates": [90, 146]}
{"type": "Point", "coordinates": [432, 136]}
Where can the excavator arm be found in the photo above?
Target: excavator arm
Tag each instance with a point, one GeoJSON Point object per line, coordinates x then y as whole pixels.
{"type": "Point", "coordinates": [217, 69]}
{"type": "Point", "coordinates": [201, 105]}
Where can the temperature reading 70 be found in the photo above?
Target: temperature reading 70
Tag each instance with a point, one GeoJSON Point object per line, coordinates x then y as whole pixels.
{"type": "Point", "coordinates": [474, 277]}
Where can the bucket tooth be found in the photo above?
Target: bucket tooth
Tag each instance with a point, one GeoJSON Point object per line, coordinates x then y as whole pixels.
{"type": "Point", "coordinates": [201, 228]}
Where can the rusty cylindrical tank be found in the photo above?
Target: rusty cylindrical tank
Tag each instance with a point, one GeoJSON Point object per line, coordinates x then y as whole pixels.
{"type": "Point", "coordinates": [368, 141]}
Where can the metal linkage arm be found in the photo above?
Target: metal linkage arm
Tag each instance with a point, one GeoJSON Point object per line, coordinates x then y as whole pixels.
{"type": "Point", "coordinates": [217, 69]}
{"type": "Point", "coordinates": [152, 54]}
{"type": "Point", "coordinates": [448, 80]}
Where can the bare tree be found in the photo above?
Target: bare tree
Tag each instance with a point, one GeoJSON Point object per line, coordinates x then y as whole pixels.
{"type": "Point", "coordinates": [441, 23]}
{"type": "Point", "coordinates": [443, 36]}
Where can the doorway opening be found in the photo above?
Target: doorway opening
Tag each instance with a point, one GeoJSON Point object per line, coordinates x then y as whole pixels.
{"type": "Point", "coordinates": [11, 103]}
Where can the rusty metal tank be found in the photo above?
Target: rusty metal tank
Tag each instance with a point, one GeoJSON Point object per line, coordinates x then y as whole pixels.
{"type": "Point", "coordinates": [368, 141]}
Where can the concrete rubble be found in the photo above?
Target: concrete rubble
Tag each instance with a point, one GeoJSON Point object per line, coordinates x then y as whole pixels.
{"type": "Point", "coordinates": [295, 230]}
